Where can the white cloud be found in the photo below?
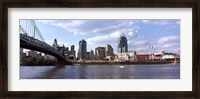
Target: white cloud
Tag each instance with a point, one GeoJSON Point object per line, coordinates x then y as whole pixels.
{"type": "Point", "coordinates": [169, 24]}
{"type": "Point", "coordinates": [95, 39]}
{"type": "Point", "coordinates": [104, 38]}
{"type": "Point", "coordinates": [69, 25]}
{"type": "Point", "coordinates": [102, 32]}
{"type": "Point", "coordinates": [169, 39]}
{"type": "Point", "coordinates": [156, 22]}
{"type": "Point", "coordinates": [130, 33]}
{"type": "Point", "coordinates": [108, 38]}
{"type": "Point", "coordinates": [115, 34]}
{"type": "Point", "coordinates": [84, 27]}
{"type": "Point", "coordinates": [169, 45]}
{"type": "Point", "coordinates": [138, 42]}
{"type": "Point", "coordinates": [115, 26]}
{"type": "Point", "coordinates": [139, 45]}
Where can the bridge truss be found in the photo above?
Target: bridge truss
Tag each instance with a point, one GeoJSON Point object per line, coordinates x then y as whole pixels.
{"type": "Point", "coordinates": [31, 38]}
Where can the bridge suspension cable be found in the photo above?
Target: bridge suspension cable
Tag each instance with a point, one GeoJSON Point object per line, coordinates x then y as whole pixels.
{"type": "Point", "coordinates": [30, 28]}
{"type": "Point", "coordinates": [28, 39]}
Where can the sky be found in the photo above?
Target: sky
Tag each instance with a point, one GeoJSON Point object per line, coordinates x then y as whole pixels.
{"type": "Point", "coordinates": [144, 36]}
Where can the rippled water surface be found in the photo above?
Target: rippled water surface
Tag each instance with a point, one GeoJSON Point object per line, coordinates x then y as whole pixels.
{"type": "Point", "coordinates": [153, 71]}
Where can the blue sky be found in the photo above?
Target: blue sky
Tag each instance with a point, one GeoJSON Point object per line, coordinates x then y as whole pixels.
{"type": "Point", "coordinates": [163, 35]}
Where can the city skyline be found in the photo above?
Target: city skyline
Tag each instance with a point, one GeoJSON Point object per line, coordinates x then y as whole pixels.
{"type": "Point", "coordinates": [94, 52]}
{"type": "Point", "coordinates": [161, 34]}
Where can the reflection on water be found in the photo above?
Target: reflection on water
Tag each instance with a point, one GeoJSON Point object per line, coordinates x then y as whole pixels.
{"type": "Point", "coordinates": [153, 71]}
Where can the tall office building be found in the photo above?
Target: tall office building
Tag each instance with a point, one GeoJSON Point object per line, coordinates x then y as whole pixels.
{"type": "Point", "coordinates": [62, 49]}
{"type": "Point", "coordinates": [109, 50]}
{"type": "Point", "coordinates": [91, 52]}
{"type": "Point", "coordinates": [82, 49]}
{"type": "Point", "coordinates": [72, 47]}
{"type": "Point", "coordinates": [73, 52]}
{"type": "Point", "coordinates": [66, 49]}
{"type": "Point", "coordinates": [122, 44]}
{"type": "Point", "coordinates": [100, 52]}
{"type": "Point", "coordinates": [70, 54]}
{"type": "Point", "coordinates": [55, 44]}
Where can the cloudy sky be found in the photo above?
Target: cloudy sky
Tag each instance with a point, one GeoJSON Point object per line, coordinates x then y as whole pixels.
{"type": "Point", "coordinates": [163, 35]}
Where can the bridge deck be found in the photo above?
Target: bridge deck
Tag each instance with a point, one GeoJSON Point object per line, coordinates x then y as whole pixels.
{"type": "Point", "coordinates": [34, 44]}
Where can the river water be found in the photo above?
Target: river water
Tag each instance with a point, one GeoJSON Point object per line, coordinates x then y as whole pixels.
{"type": "Point", "coordinates": [152, 71]}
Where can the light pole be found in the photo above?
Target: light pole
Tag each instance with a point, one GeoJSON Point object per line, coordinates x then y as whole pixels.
{"type": "Point", "coordinates": [151, 51]}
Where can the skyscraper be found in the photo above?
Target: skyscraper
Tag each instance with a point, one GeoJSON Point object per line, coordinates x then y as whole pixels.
{"type": "Point", "coordinates": [82, 49]}
{"type": "Point", "coordinates": [66, 49]}
{"type": "Point", "coordinates": [109, 50]}
{"type": "Point", "coordinates": [122, 44]}
{"type": "Point", "coordinates": [100, 52]}
{"type": "Point", "coordinates": [55, 44]}
{"type": "Point", "coordinates": [72, 47]}
{"type": "Point", "coordinates": [72, 52]}
{"type": "Point", "coordinates": [91, 52]}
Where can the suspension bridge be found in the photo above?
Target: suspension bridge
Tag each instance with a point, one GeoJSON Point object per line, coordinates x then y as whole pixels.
{"type": "Point", "coordinates": [31, 38]}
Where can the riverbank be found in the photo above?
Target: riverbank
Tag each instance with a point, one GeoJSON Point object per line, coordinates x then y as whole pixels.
{"type": "Point", "coordinates": [107, 63]}
{"type": "Point", "coordinates": [122, 63]}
